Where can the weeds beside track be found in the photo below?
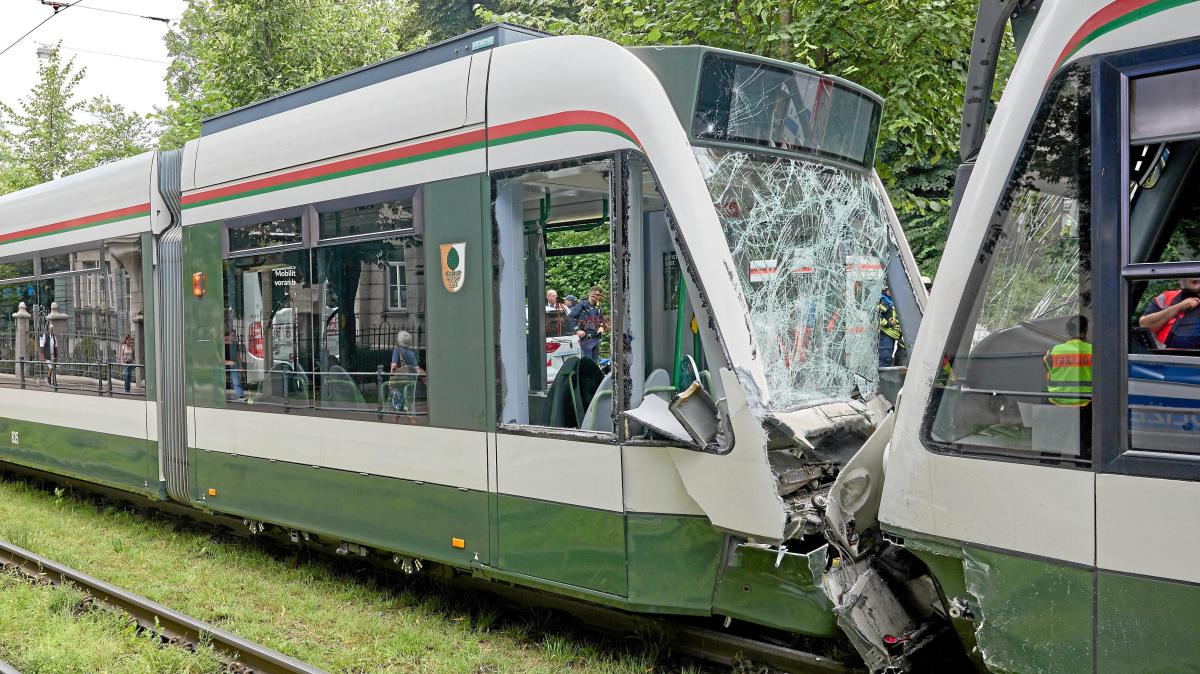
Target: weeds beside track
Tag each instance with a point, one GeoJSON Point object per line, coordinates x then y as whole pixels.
{"type": "Point", "coordinates": [302, 605]}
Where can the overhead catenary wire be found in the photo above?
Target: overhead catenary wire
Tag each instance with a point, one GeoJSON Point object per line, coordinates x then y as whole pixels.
{"type": "Point", "coordinates": [105, 53]}
{"type": "Point", "coordinates": [57, 11]}
{"type": "Point", "coordinates": [133, 14]}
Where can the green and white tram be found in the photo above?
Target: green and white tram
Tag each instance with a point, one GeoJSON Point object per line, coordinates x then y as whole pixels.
{"type": "Point", "coordinates": [334, 302]}
{"type": "Point", "coordinates": [1056, 529]}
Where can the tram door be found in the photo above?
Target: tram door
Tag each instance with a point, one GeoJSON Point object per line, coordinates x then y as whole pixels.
{"type": "Point", "coordinates": [1148, 482]}
{"type": "Point", "coordinates": [557, 466]}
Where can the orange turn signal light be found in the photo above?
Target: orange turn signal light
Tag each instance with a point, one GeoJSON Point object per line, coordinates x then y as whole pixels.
{"type": "Point", "coordinates": [212, 492]}
{"type": "Point", "coordinates": [458, 543]}
{"type": "Point", "coordinates": [198, 284]}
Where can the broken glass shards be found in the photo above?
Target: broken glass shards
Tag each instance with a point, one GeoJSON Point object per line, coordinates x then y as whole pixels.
{"type": "Point", "coordinates": [810, 244]}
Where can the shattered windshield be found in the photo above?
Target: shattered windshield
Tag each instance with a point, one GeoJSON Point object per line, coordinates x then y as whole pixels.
{"type": "Point", "coordinates": [810, 243]}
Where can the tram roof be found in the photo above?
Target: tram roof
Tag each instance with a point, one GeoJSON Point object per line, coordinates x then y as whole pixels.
{"type": "Point", "coordinates": [488, 37]}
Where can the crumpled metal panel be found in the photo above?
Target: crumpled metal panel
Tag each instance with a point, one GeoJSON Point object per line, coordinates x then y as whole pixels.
{"type": "Point", "coordinates": [736, 490]}
{"type": "Point", "coordinates": [810, 242]}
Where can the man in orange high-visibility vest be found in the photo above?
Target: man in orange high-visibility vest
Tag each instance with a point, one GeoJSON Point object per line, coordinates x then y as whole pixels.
{"type": "Point", "coordinates": [1069, 365]}
{"type": "Point", "coordinates": [1173, 318]}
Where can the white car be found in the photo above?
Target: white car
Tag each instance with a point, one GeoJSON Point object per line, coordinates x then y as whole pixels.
{"type": "Point", "coordinates": [558, 350]}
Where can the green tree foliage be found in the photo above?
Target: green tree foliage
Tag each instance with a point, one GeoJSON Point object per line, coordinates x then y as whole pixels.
{"type": "Point", "coordinates": [575, 274]}
{"type": "Point", "coordinates": [229, 53]}
{"type": "Point", "coordinates": [51, 133]}
{"type": "Point", "coordinates": [447, 18]}
{"type": "Point", "coordinates": [912, 52]}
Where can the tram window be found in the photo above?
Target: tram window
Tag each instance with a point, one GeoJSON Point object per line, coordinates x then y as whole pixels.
{"type": "Point", "coordinates": [372, 344]}
{"type": "Point", "coordinates": [391, 214]}
{"type": "Point", "coordinates": [667, 354]}
{"type": "Point", "coordinates": [122, 292]}
{"type": "Point", "coordinates": [1164, 227]}
{"type": "Point", "coordinates": [1164, 366]}
{"type": "Point", "coordinates": [16, 269]}
{"type": "Point", "coordinates": [79, 339]}
{"type": "Point", "coordinates": [554, 234]}
{"type": "Point", "coordinates": [12, 293]}
{"type": "Point", "coordinates": [268, 321]}
{"type": "Point", "coordinates": [68, 262]}
{"type": "Point", "coordinates": [265, 234]}
{"type": "Point", "coordinates": [1016, 376]}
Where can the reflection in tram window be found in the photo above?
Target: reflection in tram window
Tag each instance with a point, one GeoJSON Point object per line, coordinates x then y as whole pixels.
{"type": "Point", "coordinates": [83, 323]}
{"type": "Point", "coordinates": [1016, 380]}
{"type": "Point", "coordinates": [267, 352]}
{"type": "Point", "coordinates": [372, 344]}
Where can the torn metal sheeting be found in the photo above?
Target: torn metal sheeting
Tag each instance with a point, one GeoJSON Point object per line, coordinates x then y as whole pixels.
{"type": "Point", "coordinates": [655, 414]}
{"type": "Point", "coordinates": [866, 609]}
{"type": "Point", "coordinates": [737, 490]}
{"type": "Point", "coordinates": [697, 414]}
{"type": "Point", "coordinates": [854, 499]}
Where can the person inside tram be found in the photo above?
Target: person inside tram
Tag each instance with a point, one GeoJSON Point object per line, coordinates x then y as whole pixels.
{"type": "Point", "coordinates": [404, 358]}
{"type": "Point", "coordinates": [1069, 365]}
{"type": "Point", "coordinates": [1173, 316]}
{"type": "Point", "coordinates": [590, 324]}
{"type": "Point", "coordinates": [407, 389]}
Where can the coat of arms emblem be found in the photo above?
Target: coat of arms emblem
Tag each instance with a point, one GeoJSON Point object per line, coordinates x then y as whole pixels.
{"type": "Point", "coordinates": [454, 265]}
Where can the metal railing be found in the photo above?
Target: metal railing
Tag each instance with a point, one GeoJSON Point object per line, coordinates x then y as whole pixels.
{"type": "Point", "coordinates": [74, 376]}
{"type": "Point", "coordinates": [375, 392]}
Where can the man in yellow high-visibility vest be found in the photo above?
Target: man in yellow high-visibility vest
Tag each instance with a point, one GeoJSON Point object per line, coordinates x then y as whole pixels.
{"type": "Point", "coordinates": [1069, 365]}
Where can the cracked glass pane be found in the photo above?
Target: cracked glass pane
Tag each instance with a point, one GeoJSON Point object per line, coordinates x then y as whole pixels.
{"type": "Point", "coordinates": [810, 243]}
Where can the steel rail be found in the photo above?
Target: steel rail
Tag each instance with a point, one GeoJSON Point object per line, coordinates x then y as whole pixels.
{"type": "Point", "coordinates": [6, 668]}
{"type": "Point", "coordinates": [680, 636]}
{"type": "Point", "coordinates": [158, 618]}
{"type": "Point", "coordinates": [725, 649]}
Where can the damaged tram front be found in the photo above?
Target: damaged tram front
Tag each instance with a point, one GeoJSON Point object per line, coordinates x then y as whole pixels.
{"type": "Point", "coordinates": [714, 245]}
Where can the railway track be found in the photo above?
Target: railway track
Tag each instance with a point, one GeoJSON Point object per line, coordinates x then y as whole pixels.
{"type": "Point", "coordinates": [241, 656]}
{"type": "Point", "coordinates": [681, 637]}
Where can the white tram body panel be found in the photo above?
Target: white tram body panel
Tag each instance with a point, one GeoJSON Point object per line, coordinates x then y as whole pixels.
{"type": "Point", "coordinates": [105, 202]}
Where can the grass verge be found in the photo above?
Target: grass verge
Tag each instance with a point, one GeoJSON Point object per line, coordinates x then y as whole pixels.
{"type": "Point", "coordinates": [46, 629]}
{"type": "Point", "coordinates": [330, 614]}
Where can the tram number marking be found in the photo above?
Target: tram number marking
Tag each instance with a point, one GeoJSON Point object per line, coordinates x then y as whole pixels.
{"type": "Point", "coordinates": [15, 438]}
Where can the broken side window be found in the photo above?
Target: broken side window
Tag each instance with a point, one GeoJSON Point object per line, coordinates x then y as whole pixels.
{"type": "Point", "coordinates": [554, 240]}
{"type": "Point", "coordinates": [810, 243]}
{"type": "Point", "coordinates": [667, 352]}
{"type": "Point", "coordinates": [1016, 376]}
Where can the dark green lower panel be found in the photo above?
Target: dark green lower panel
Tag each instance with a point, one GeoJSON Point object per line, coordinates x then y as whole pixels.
{"type": "Point", "coordinates": [1030, 614]}
{"type": "Point", "coordinates": [1147, 625]}
{"type": "Point", "coordinates": [752, 588]}
{"type": "Point", "coordinates": [419, 519]}
{"type": "Point", "coordinates": [1033, 615]}
{"type": "Point", "coordinates": [112, 460]}
{"type": "Point", "coordinates": [564, 543]}
{"type": "Point", "coordinates": [672, 562]}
